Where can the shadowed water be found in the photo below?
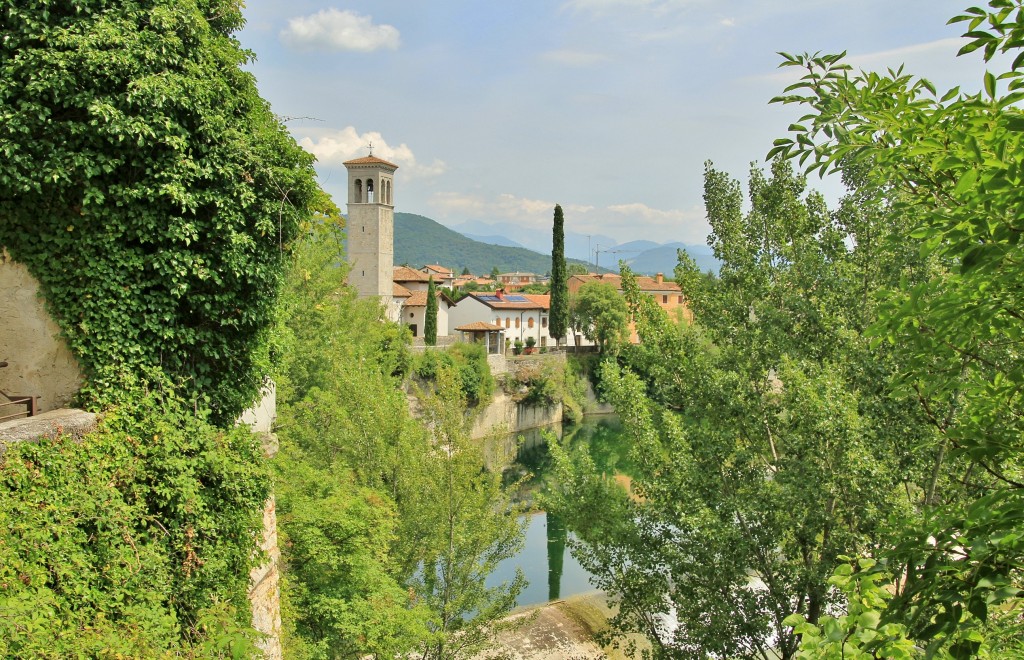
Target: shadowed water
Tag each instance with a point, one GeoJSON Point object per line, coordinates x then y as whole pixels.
{"type": "Point", "coordinates": [549, 567]}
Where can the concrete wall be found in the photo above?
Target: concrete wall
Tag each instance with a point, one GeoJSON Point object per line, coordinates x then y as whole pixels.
{"type": "Point", "coordinates": [39, 362]}
{"type": "Point", "coordinates": [264, 581]}
{"type": "Point", "coordinates": [264, 588]}
{"type": "Point", "coordinates": [504, 415]}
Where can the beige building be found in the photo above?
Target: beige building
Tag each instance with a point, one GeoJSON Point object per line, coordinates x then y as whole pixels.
{"type": "Point", "coordinates": [371, 229]}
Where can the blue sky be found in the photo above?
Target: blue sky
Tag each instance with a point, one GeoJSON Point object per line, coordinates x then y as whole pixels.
{"type": "Point", "coordinates": [496, 110]}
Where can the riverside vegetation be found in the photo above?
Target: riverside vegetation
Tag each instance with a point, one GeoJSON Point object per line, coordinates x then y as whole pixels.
{"type": "Point", "coordinates": [826, 463]}
{"type": "Point", "coordinates": [828, 460]}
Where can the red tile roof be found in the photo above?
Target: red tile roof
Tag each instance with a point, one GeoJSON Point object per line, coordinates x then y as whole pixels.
{"type": "Point", "coordinates": [438, 269]}
{"type": "Point", "coordinates": [419, 299]}
{"type": "Point", "coordinates": [492, 301]}
{"type": "Point", "coordinates": [400, 291]}
{"type": "Point", "coordinates": [478, 326]}
{"type": "Point", "coordinates": [543, 300]}
{"type": "Point", "coordinates": [370, 160]}
{"type": "Point", "coordinates": [406, 274]}
{"type": "Point", "coordinates": [645, 283]}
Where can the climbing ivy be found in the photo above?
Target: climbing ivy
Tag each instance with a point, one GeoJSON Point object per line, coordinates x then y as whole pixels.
{"type": "Point", "coordinates": [148, 187]}
{"type": "Point", "coordinates": [135, 541]}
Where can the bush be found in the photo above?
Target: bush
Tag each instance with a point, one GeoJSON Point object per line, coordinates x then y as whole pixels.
{"type": "Point", "coordinates": [469, 362]}
{"type": "Point", "coordinates": [119, 544]}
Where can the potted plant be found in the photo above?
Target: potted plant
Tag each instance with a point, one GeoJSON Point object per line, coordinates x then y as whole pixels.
{"type": "Point", "coordinates": [530, 343]}
{"type": "Point", "coordinates": [517, 347]}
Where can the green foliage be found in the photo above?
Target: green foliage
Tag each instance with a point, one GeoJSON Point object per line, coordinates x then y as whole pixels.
{"type": "Point", "coordinates": [347, 443]}
{"type": "Point", "coordinates": [576, 269]}
{"type": "Point", "coordinates": [600, 313]}
{"type": "Point", "coordinates": [950, 166]}
{"type": "Point", "coordinates": [149, 188]}
{"type": "Point", "coordinates": [136, 540]}
{"type": "Point", "coordinates": [475, 529]}
{"type": "Point", "coordinates": [859, 633]}
{"type": "Point", "coordinates": [559, 313]}
{"type": "Point", "coordinates": [768, 415]}
{"type": "Point", "coordinates": [430, 323]}
{"type": "Point", "coordinates": [469, 364]}
{"type": "Point", "coordinates": [358, 478]}
{"type": "Point", "coordinates": [547, 383]}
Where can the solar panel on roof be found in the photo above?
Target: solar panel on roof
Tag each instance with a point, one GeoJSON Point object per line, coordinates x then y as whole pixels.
{"type": "Point", "coordinates": [516, 299]}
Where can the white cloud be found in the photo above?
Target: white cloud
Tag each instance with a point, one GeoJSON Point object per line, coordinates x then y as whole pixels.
{"type": "Point", "coordinates": [727, 22]}
{"type": "Point", "coordinates": [333, 147]}
{"type": "Point", "coordinates": [524, 210]}
{"type": "Point", "coordinates": [576, 58]}
{"type": "Point", "coordinates": [332, 29]}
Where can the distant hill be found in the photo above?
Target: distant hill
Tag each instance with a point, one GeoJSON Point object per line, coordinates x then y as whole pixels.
{"type": "Point", "coordinates": [420, 240]}
{"type": "Point", "coordinates": [494, 240]}
{"type": "Point", "coordinates": [663, 259]}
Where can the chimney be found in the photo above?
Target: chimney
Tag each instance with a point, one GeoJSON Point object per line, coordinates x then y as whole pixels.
{"type": "Point", "coordinates": [659, 278]}
{"type": "Point", "coordinates": [498, 293]}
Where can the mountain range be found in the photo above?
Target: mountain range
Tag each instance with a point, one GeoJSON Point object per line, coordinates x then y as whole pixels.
{"type": "Point", "coordinates": [420, 240]}
{"type": "Point", "coordinates": [643, 256]}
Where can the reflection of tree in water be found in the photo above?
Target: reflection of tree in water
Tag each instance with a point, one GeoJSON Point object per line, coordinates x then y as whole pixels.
{"type": "Point", "coordinates": [557, 536]}
{"type": "Point", "coordinates": [602, 437]}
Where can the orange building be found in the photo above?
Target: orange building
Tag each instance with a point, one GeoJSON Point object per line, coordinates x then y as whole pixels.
{"type": "Point", "coordinates": [668, 295]}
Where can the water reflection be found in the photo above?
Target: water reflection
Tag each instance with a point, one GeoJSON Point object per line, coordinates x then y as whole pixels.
{"type": "Point", "coordinates": [544, 558]}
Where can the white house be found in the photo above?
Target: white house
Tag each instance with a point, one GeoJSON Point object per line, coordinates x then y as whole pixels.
{"type": "Point", "coordinates": [521, 315]}
{"type": "Point", "coordinates": [414, 313]}
{"type": "Point", "coordinates": [442, 276]}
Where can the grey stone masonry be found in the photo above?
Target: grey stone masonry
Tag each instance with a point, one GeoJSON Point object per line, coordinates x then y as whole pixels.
{"type": "Point", "coordinates": [66, 421]}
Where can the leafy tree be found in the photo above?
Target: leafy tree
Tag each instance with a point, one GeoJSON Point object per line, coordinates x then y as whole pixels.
{"type": "Point", "coordinates": [768, 416]}
{"type": "Point", "coordinates": [354, 471]}
{"type": "Point", "coordinates": [465, 270]}
{"type": "Point", "coordinates": [430, 322]}
{"type": "Point", "coordinates": [558, 316]}
{"type": "Point", "coordinates": [952, 163]}
{"type": "Point", "coordinates": [576, 269]}
{"type": "Point", "coordinates": [149, 188]}
{"type": "Point", "coordinates": [346, 465]}
{"type": "Point", "coordinates": [495, 273]}
{"type": "Point", "coordinates": [599, 311]}
{"type": "Point", "coordinates": [474, 530]}
{"type": "Point", "coordinates": [536, 287]}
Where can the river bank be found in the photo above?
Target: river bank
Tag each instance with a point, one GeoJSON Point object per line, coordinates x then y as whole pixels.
{"type": "Point", "coordinates": [560, 630]}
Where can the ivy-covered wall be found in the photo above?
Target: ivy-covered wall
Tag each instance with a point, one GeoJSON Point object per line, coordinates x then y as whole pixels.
{"type": "Point", "coordinates": [154, 196]}
{"type": "Point", "coordinates": [148, 187]}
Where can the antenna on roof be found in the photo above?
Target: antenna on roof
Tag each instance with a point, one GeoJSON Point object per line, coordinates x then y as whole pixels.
{"type": "Point", "coordinates": [370, 147]}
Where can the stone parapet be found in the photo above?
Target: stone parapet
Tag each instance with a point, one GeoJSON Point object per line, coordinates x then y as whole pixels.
{"type": "Point", "coordinates": [66, 421]}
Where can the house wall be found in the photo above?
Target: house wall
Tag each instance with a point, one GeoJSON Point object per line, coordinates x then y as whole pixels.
{"type": "Point", "coordinates": [418, 316]}
{"type": "Point", "coordinates": [468, 310]}
{"type": "Point", "coordinates": [39, 362]}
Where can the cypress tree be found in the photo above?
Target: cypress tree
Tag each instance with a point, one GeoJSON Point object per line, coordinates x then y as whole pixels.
{"type": "Point", "coordinates": [430, 323]}
{"type": "Point", "coordinates": [559, 313]}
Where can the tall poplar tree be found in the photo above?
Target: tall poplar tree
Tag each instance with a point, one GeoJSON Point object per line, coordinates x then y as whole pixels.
{"type": "Point", "coordinates": [559, 314]}
{"type": "Point", "coordinates": [430, 323]}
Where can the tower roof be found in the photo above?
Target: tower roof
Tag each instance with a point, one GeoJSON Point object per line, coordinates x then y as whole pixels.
{"type": "Point", "coordinates": [369, 160]}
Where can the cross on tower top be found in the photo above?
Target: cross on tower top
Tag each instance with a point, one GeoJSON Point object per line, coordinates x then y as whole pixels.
{"type": "Point", "coordinates": [370, 147]}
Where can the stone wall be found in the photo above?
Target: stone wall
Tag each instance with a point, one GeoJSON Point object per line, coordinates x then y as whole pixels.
{"type": "Point", "coordinates": [264, 588]}
{"type": "Point", "coordinates": [38, 361]}
{"type": "Point", "coordinates": [504, 415]}
{"type": "Point", "coordinates": [264, 581]}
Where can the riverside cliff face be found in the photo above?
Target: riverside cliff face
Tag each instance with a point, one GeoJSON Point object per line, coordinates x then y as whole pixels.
{"type": "Point", "coordinates": [504, 414]}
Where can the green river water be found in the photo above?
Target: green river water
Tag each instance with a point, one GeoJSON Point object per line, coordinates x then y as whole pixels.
{"type": "Point", "coordinates": [550, 568]}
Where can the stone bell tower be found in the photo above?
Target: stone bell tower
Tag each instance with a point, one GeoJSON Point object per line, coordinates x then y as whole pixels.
{"type": "Point", "coordinates": [371, 228]}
